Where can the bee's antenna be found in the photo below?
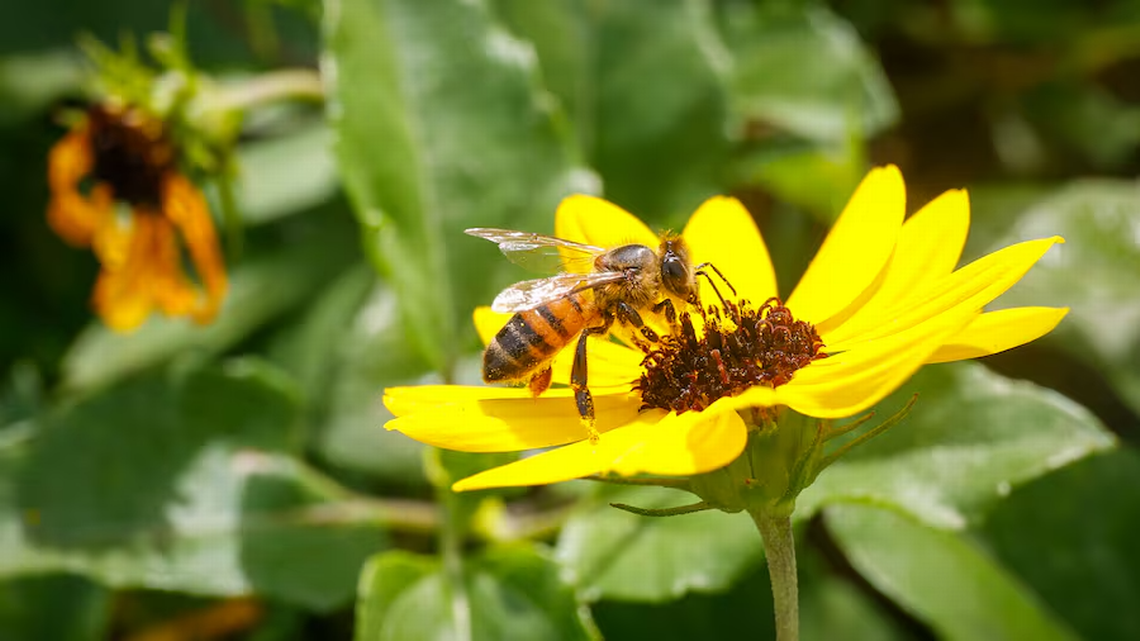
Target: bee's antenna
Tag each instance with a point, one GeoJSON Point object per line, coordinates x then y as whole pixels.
{"type": "Point", "coordinates": [723, 302]}
{"type": "Point", "coordinates": [700, 270]}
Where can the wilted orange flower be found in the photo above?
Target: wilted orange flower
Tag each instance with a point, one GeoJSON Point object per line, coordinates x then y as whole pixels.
{"type": "Point", "coordinates": [116, 187]}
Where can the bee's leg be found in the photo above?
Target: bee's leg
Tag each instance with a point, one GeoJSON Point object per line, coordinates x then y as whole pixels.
{"type": "Point", "coordinates": [578, 381]}
{"type": "Point", "coordinates": [666, 306]}
{"type": "Point", "coordinates": [628, 315]}
{"type": "Point", "coordinates": [540, 382]}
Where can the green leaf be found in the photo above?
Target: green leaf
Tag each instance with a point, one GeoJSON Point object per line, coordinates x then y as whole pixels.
{"type": "Point", "coordinates": [371, 353]}
{"type": "Point", "coordinates": [286, 174]}
{"type": "Point", "coordinates": [831, 607]}
{"type": "Point", "coordinates": [1071, 535]}
{"type": "Point", "coordinates": [972, 436]}
{"type": "Point", "coordinates": [817, 178]}
{"type": "Point", "coordinates": [612, 554]}
{"type": "Point", "coordinates": [261, 289]}
{"type": "Point", "coordinates": [507, 593]}
{"type": "Point", "coordinates": [1086, 119]}
{"type": "Point", "coordinates": [944, 578]}
{"type": "Point", "coordinates": [30, 82]}
{"type": "Point", "coordinates": [804, 70]}
{"type": "Point", "coordinates": [310, 348]}
{"type": "Point", "coordinates": [994, 208]}
{"type": "Point", "coordinates": [384, 578]}
{"type": "Point", "coordinates": [641, 85]}
{"type": "Point", "coordinates": [59, 607]}
{"type": "Point", "coordinates": [184, 481]}
{"type": "Point", "coordinates": [439, 126]}
{"type": "Point", "coordinates": [1092, 273]}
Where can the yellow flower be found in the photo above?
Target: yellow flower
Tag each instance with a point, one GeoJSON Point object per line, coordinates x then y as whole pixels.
{"type": "Point", "coordinates": [117, 154]}
{"type": "Point", "coordinates": [883, 295]}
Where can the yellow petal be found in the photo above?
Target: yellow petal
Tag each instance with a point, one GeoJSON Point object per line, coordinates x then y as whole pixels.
{"type": "Point", "coordinates": [690, 443]}
{"type": "Point", "coordinates": [509, 422]}
{"type": "Point", "coordinates": [594, 221]}
{"type": "Point", "coordinates": [850, 382]}
{"type": "Point", "coordinates": [856, 249]}
{"type": "Point", "coordinates": [969, 288]}
{"type": "Point", "coordinates": [929, 247]}
{"type": "Point", "coordinates": [655, 442]}
{"type": "Point", "coordinates": [610, 364]}
{"type": "Point", "coordinates": [723, 233]}
{"type": "Point", "coordinates": [998, 331]}
{"type": "Point", "coordinates": [402, 401]}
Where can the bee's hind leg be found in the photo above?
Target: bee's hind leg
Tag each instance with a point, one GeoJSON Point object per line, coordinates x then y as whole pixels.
{"type": "Point", "coordinates": [578, 382]}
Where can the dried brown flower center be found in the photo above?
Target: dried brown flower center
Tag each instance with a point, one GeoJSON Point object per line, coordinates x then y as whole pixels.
{"type": "Point", "coordinates": [741, 348]}
{"type": "Point", "coordinates": [131, 153]}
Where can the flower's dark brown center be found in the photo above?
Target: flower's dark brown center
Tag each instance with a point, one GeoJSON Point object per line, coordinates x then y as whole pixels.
{"type": "Point", "coordinates": [741, 347]}
{"type": "Point", "coordinates": [131, 153]}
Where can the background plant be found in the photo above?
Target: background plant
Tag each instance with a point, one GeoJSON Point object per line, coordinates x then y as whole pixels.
{"type": "Point", "coordinates": [146, 479]}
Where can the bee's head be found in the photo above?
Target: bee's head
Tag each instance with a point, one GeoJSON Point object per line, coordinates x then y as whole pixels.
{"type": "Point", "coordinates": [676, 269]}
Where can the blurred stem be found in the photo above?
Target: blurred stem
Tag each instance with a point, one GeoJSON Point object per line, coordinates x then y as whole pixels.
{"type": "Point", "coordinates": [780, 551]}
{"type": "Point", "coordinates": [345, 506]}
{"type": "Point", "coordinates": [451, 549]}
{"type": "Point", "coordinates": [271, 86]}
{"type": "Point", "coordinates": [657, 481]}
{"type": "Point", "coordinates": [231, 217]}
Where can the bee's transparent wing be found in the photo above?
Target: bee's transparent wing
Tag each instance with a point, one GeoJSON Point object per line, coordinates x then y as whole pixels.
{"type": "Point", "coordinates": [532, 293]}
{"type": "Point", "coordinates": [539, 252]}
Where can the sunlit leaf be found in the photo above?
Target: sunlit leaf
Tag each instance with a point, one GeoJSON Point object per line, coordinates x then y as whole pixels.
{"type": "Point", "coordinates": [804, 70]}
{"type": "Point", "coordinates": [943, 578]}
{"type": "Point", "coordinates": [640, 83]}
{"type": "Point", "coordinates": [286, 175]}
{"type": "Point", "coordinates": [1094, 273]}
{"type": "Point", "coordinates": [506, 593]}
{"type": "Point", "coordinates": [831, 607]}
{"type": "Point", "coordinates": [439, 126]}
{"type": "Point", "coordinates": [970, 438]}
{"type": "Point", "coordinates": [613, 554]}
{"type": "Point", "coordinates": [819, 178]}
{"type": "Point", "coordinates": [182, 482]}
{"type": "Point", "coordinates": [371, 352]}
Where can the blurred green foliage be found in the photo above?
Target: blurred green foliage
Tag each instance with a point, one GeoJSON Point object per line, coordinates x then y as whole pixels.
{"type": "Point", "coordinates": [167, 470]}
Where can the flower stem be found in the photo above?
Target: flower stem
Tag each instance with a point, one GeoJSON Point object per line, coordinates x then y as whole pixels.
{"type": "Point", "coordinates": [780, 550]}
{"type": "Point", "coordinates": [271, 86]}
{"type": "Point", "coordinates": [451, 549]}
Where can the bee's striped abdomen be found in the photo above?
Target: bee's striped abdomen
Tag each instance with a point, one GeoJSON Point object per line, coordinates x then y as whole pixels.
{"type": "Point", "coordinates": [532, 337]}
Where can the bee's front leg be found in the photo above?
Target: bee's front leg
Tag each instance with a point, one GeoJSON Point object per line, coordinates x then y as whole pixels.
{"type": "Point", "coordinates": [666, 306]}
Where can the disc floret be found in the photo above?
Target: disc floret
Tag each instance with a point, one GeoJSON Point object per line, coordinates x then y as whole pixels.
{"type": "Point", "coordinates": [741, 346]}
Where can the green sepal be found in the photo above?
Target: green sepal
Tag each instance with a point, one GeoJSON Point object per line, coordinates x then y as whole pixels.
{"type": "Point", "coordinates": [783, 456]}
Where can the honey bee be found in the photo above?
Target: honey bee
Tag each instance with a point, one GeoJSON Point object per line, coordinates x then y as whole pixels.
{"type": "Point", "coordinates": [621, 284]}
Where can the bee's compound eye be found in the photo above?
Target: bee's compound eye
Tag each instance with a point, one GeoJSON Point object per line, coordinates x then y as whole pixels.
{"type": "Point", "coordinates": [675, 275]}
